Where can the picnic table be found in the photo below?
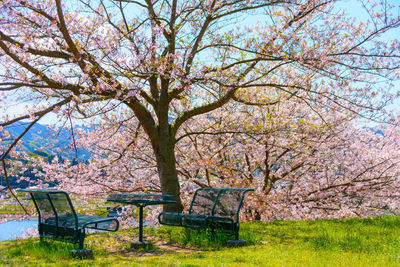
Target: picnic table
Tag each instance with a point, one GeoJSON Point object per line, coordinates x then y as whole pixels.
{"type": "Point", "coordinates": [141, 201]}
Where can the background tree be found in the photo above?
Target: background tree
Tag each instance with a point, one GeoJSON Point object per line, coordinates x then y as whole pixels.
{"type": "Point", "coordinates": [171, 61]}
{"type": "Point", "coordinates": [301, 167]}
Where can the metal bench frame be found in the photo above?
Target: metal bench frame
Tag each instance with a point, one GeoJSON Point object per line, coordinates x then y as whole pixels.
{"type": "Point", "coordinates": [210, 219]}
{"type": "Point", "coordinates": [70, 227]}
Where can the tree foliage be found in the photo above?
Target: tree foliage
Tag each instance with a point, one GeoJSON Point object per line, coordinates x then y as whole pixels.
{"type": "Point", "coordinates": [175, 84]}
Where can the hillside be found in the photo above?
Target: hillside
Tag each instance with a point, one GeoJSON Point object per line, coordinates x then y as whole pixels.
{"type": "Point", "coordinates": [41, 141]}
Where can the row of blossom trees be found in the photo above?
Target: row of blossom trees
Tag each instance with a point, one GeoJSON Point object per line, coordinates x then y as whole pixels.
{"type": "Point", "coordinates": [300, 165]}
{"type": "Point", "coordinates": [262, 94]}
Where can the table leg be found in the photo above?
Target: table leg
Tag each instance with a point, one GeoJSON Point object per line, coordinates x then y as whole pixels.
{"type": "Point", "coordinates": [140, 224]}
{"type": "Point", "coordinates": [140, 243]}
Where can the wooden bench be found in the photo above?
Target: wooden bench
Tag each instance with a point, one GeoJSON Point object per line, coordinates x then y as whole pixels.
{"type": "Point", "coordinates": [58, 219]}
{"type": "Point", "coordinates": [215, 208]}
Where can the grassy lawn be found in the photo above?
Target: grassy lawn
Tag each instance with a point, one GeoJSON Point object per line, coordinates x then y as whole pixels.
{"type": "Point", "coordinates": [10, 209]}
{"type": "Point", "coordinates": [353, 242]}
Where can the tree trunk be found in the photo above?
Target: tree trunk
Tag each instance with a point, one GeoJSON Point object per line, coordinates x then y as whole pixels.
{"type": "Point", "coordinates": [166, 165]}
{"type": "Point", "coordinates": [163, 142]}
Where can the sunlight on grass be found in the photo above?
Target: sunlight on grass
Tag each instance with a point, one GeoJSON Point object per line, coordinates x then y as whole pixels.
{"type": "Point", "coordinates": [353, 242]}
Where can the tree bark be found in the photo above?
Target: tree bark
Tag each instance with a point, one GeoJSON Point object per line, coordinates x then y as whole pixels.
{"type": "Point", "coordinates": [162, 139]}
{"type": "Point", "coordinates": [166, 165]}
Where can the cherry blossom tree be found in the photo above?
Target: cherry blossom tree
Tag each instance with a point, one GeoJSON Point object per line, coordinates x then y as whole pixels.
{"type": "Point", "coordinates": [301, 167]}
{"type": "Point", "coordinates": [172, 63]}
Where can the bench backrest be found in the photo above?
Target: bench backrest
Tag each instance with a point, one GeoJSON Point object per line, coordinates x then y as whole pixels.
{"type": "Point", "coordinates": [222, 202]}
{"type": "Point", "coordinates": [53, 204]}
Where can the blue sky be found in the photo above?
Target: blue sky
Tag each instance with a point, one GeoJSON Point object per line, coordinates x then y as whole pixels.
{"type": "Point", "coordinates": [352, 7]}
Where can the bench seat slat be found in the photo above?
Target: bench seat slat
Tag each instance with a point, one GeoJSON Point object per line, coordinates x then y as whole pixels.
{"type": "Point", "coordinates": [84, 221]}
{"type": "Point", "coordinates": [170, 218]}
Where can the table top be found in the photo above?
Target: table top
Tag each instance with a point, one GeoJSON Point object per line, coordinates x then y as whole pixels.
{"type": "Point", "coordinates": [142, 199]}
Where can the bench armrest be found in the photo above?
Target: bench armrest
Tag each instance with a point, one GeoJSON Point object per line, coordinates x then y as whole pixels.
{"type": "Point", "coordinates": [87, 225]}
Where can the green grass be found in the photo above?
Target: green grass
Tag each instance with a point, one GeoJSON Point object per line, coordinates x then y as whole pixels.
{"type": "Point", "coordinates": [352, 242]}
{"type": "Point", "coordinates": [6, 208]}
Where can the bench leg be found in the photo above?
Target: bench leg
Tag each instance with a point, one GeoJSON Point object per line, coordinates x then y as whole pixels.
{"type": "Point", "coordinates": [40, 230]}
{"type": "Point", "coordinates": [81, 238]}
{"type": "Point", "coordinates": [236, 242]}
{"type": "Point", "coordinates": [237, 232]}
{"type": "Point", "coordinates": [82, 254]}
{"type": "Point", "coordinates": [212, 228]}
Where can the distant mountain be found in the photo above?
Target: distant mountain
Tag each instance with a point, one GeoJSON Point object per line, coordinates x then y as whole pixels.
{"type": "Point", "coordinates": [41, 140]}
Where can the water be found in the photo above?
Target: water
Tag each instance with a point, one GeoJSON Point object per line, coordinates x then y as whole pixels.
{"type": "Point", "coordinates": [13, 229]}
